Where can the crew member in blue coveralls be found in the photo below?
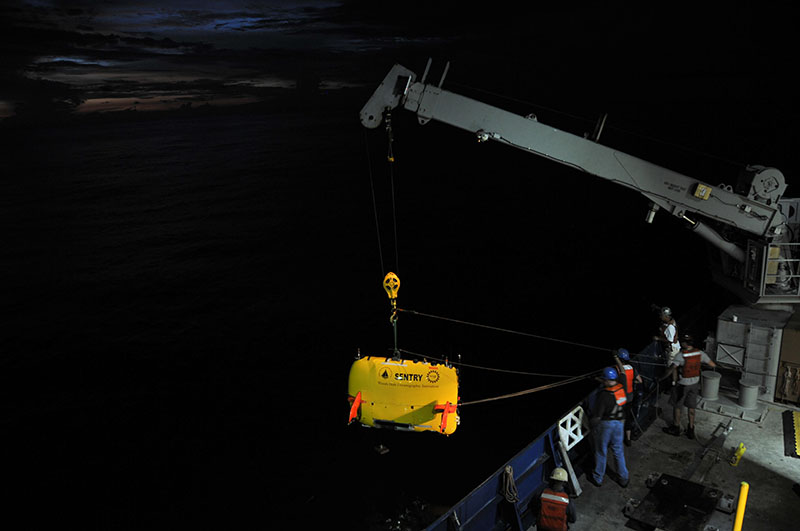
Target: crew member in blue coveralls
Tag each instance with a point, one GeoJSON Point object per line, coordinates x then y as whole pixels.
{"type": "Point", "coordinates": [607, 424]}
{"type": "Point", "coordinates": [628, 377]}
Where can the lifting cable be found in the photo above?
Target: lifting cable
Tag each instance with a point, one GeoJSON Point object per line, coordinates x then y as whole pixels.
{"type": "Point", "coordinates": [390, 159]}
{"type": "Point", "coordinates": [482, 368]}
{"type": "Point", "coordinates": [374, 202]}
{"type": "Point", "coordinates": [568, 379]}
{"type": "Point", "coordinates": [505, 330]}
{"type": "Point", "coordinates": [387, 117]}
{"type": "Point", "coordinates": [533, 390]}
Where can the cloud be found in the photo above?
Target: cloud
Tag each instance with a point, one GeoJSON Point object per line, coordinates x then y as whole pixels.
{"type": "Point", "coordinates": [56, 56]}
{"type": "Point", "coordinates": [63, 52]}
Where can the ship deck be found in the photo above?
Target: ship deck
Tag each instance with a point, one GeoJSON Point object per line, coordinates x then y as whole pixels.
{"type": "Point", "coordinates": [773, 500]}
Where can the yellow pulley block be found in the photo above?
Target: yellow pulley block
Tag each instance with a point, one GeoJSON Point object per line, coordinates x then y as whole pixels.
{"type": "Point", "coordinates": [391, 283]}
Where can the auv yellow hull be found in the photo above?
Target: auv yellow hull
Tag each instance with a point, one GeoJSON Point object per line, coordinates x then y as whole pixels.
{"type": "Point", "coordinates": [403, 394]}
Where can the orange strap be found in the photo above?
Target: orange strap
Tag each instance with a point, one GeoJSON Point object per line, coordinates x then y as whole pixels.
{"type": "Point", "coordinates": [354, 408]}
{"type": "Point", "coordinates": [445, 409]}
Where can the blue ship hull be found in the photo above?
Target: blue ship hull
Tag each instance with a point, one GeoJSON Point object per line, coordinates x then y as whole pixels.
{"type": "Point", "coordinates": [506, 500]}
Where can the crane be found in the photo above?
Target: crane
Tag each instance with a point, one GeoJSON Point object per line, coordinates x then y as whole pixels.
{"type": "Point", "coordinates": [751, 224]}
{"type": "Point", "coordinates": [758, 234]}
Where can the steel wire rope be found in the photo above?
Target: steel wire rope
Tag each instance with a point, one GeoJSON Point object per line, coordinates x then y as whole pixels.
{"type": "Point", "coordinates": [391, 160]}
{"type": "Point", "coordinates": [655, 363]}
{"type": "Point", "coordinates": [394, 219]}
{"type": "Point", "coordinates": [505, 330]}
{"type": "Point", "coordinates": [568, 379]}
{"type": "Point", "coordinates": [517, 100]}
{"type": "Point", "coordinates": [532, 390]}
{"type": "Point", "coordinates": [484, 368]}
{"type": "Point", "coordinates": [374, 202]}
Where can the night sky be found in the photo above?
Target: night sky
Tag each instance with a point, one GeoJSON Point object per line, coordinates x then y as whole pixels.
{"type": "Point", "coordinates": [113, 55]}
{"type": "Point", "coordinates": [105, 56]}
{"type": "Point", "coordinates": [250, 180]}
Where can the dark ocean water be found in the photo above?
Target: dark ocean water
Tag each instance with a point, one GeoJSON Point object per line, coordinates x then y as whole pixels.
{"type": "Point", "coordinates": [185, 296]}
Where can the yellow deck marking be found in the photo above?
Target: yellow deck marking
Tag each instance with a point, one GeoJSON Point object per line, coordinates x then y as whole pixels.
{"type": "Point", "coordinates": [796, 420]}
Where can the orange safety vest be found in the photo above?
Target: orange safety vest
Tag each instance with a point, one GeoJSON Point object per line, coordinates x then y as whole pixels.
{"type": "Point", "coordinates": [620, 398]}
{"type": "Point", "coordinates": [628, 375]}
{"type": "Point", "coordinates": [553, 514]}
{"type": "Point", "coordinates": [619, 393]}
{"type": "Point", "coordinates": [691, 363]}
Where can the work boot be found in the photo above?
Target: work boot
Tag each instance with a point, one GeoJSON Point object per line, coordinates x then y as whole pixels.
{"type": "Point", "coordinates": [672, 430]}
{"type": "Point", "coordinates": [618, 479]}
{"type": "Point", "coordinates": [690, 432]}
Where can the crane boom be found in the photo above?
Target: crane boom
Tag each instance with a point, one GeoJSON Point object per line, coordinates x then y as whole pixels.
{"type": "Point", "coordinates": [757, 212]}
{"type": "Point", "coordinates": [755, 228]}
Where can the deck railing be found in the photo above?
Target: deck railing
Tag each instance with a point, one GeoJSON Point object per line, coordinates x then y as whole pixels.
{"type": "Point", "coordinates": [493, 505]}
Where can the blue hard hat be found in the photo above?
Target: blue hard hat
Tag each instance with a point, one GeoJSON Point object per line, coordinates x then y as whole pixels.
{"type": "Point", "coordinates": [623, 354]}
{"type": "Point", "coordinates": [610, 373]}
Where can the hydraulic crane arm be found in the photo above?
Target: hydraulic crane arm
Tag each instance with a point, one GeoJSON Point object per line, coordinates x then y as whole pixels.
{"type": "Point", "coordinates": [755, 211]}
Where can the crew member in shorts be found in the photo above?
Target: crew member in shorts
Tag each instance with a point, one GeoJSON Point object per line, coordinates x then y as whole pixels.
{"type": "Point", "coordinates": [685, 375]}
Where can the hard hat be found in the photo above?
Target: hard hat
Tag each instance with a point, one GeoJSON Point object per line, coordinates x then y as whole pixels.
{"type": "Point", "coordinates": [559, 474]}
{"type": "Point", "coordinates": [687, 338]}
{"type": "Point", "coordinates": [623, 354]}
{"type": "Point", "coordinates": [610, 373]}
{"type": "Point", "coordinates": [666, 311]}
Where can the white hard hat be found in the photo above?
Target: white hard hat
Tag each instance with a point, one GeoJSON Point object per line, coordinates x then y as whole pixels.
{"type": "Point", "coordinates": [559, 474]}
{"type": "Point", "coordinates": [666, 311]}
